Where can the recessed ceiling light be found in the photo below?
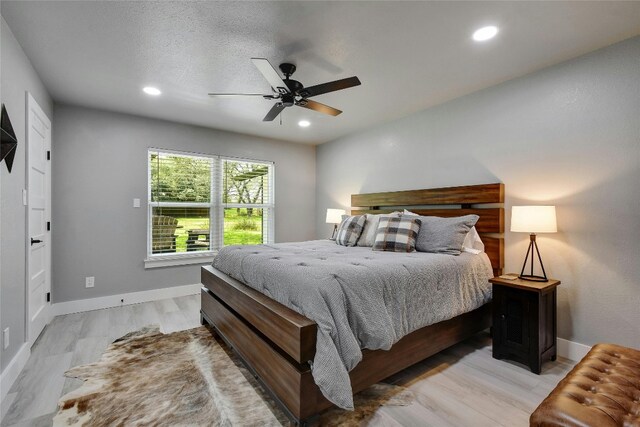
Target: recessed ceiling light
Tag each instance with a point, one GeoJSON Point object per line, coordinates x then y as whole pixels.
{"type": "Point", "coordinates": [304, 123]}
{"type": "Point", "coordinates": [149, 90]}
{"type": "Point", "coordinates": [485, 33]}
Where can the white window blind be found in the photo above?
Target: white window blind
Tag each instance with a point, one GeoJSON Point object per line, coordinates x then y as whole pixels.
{"type": "Point", "coordinates": [199, 203]}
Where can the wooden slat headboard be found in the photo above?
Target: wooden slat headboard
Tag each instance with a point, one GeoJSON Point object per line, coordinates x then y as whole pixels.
{"type": "Point", "coordinates": [464, 200]}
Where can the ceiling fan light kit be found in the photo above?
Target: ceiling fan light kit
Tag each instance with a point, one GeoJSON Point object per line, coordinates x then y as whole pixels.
{"type": "Point", "coordinates": [289, 92]}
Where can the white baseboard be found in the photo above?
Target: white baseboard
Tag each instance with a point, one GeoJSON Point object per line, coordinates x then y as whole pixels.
{"type": "Point", "coordinates": [13, 369]}
{"type": "Point", "coordinates": [78, 306]}
{"type": "Point", "coordinates": [572, 350]}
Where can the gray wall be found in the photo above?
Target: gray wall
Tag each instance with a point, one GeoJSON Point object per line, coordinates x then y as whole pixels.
{"type": "Point", "coordinates": [99, 166]}
{"type": "Point", "coordinates": [569, 136]}
{"type": "Point", "coordinates": [17, 77]}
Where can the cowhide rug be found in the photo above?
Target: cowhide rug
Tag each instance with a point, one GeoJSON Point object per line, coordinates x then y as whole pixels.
{"type": "Point", "coordinates": [147, 378]}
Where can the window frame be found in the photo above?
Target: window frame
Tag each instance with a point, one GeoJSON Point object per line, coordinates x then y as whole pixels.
{"type": "Point", "coordinates": [216, 210]}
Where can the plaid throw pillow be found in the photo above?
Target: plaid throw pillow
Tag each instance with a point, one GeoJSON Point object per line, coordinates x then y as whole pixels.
{"type": "Point", "coordinates": [350, 230]}
{"type": "Point", "coordinates": [397, 234]}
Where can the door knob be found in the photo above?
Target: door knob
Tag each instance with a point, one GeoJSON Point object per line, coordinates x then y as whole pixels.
{"type": "Point", "coordinates": [34, 241]}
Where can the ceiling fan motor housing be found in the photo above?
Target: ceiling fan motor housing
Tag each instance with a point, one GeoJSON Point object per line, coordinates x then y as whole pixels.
{"type": "Point", "coordinates": [293, 85]}
{"type": "Point", "coordinates": [287, 100]}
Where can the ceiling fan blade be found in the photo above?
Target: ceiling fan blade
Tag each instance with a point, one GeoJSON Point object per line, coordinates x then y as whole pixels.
{"type": "Point", "coordinates": [274, 112]}
{"type": "Point", "coordinates": [316, 106]}
{"type": "Point", "coordinates": [308, 92]}
{"type": "Point", "coordinates": [239, 94]}
{"type": "Point", "coordinates": [270, 73]}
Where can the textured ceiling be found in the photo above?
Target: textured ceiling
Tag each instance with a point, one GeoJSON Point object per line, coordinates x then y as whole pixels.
{"type": "Point", "coordinates": [408, 55]}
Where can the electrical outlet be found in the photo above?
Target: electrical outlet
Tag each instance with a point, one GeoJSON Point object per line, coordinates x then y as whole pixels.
{"type": "Point", "coordinates": [5, 338]}
{"type": "Point", "coordinates": [89, 282]}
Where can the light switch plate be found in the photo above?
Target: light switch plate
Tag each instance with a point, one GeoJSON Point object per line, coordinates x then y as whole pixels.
{"type": "Point", "coordinates": [25, 199]}
{"type": "Point", "coordinates": [89, 282]}
{"type": "Point", "coordinates": [5, 338]}
{"type": "Point", "coordinates": [136, 203]}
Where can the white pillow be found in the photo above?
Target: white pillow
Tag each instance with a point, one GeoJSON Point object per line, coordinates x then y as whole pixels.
{"type": "Point", "coordinates": [368, 236]}
{"type": "Point", "coordinates": [472, 242]}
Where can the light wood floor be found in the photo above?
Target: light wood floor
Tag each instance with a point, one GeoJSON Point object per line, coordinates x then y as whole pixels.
{"type": "Point", "coordinates": [462, 386]}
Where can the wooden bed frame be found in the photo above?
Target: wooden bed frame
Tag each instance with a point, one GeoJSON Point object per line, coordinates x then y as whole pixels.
{"type": "Point", "coordinates": [276, 342]}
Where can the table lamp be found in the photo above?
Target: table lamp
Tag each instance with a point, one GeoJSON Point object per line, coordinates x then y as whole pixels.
{"type": "Point", "coordinates": [533, 219]}
{"type": "Point", "coordinates": [334, 216]}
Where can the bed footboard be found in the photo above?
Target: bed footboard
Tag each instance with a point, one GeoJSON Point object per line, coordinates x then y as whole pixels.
{"type": "Point", "coordinates": [290, 383]}
{"type": "Point", "coordinates": [276, 343]}
{"type": "Point", "coordinates": [288, 330]}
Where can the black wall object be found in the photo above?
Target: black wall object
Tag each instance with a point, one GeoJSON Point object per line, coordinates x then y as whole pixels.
{"type": "Point", "coordinates": [8, 141]}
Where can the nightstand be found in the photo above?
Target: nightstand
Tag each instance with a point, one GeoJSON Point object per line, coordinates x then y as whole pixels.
{"type": "Point", "coordinates": [524, 321]}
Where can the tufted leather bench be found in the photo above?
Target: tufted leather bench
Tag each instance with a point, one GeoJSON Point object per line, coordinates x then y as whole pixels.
{"type": "Point", "coordinates": [602, 390]}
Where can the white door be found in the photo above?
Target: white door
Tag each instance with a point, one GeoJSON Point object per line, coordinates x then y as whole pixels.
{"type": "Point", "coordinates": [38, 217]}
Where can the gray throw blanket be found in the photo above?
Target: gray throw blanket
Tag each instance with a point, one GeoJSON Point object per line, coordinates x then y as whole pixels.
{"type": "Point", "coordinates": [358, 297]}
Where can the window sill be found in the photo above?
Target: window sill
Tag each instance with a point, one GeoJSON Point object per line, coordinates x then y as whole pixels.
{"type": "Point", "coordinates": [179, 259]}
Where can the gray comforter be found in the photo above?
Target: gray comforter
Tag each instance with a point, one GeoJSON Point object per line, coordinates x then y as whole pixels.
{"type": "Point", "coordinates": [358, 297]}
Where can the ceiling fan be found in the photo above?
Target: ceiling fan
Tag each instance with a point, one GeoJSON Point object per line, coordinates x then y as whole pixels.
{"type": "Point", "coordinates": [291, 92]}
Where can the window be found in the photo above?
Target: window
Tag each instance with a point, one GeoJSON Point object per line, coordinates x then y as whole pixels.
{"type": "Point", "coordinates": [199, 203]}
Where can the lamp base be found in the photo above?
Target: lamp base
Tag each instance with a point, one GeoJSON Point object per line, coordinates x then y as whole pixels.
{"type": "Point", "coordinates": [533, 247]}
{"type": "Point", "coordinates": [333, 235]}
{"type": "Point", "coordinates": [531, 278]}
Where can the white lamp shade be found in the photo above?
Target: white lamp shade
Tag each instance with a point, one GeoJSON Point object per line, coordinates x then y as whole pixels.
{"type": "Point", "coordinates": [534, 219]}
{"type": "Point", "coordinates": [334, 216]}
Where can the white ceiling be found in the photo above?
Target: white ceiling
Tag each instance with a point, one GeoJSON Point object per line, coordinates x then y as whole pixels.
{"type": "Point", "coordinates": [408, 55]}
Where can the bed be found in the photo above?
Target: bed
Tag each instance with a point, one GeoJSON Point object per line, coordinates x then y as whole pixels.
{"type": "Point", "coordinates": [277, 342]}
